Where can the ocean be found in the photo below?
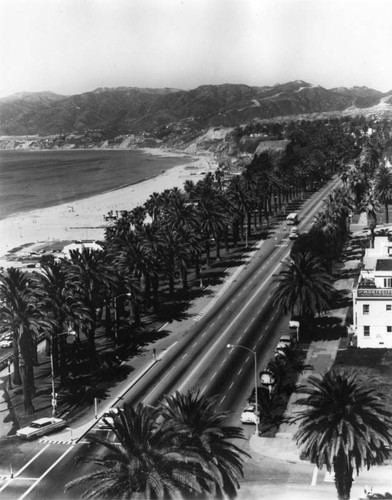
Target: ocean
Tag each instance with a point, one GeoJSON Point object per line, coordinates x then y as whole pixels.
{"type": "Point", "coordinates": [31, 180]}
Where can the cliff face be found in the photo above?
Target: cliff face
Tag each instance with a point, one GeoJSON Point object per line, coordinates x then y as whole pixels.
{"type": "Point", "coordinates": [135, 110]}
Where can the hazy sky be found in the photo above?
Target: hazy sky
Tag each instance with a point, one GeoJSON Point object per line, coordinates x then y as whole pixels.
{"type": "Point", "coordinates": [74, 46]}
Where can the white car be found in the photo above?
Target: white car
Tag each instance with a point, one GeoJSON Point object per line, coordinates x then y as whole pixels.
{"type": "Point", "coordinates": [41, 427]}
{"type": "Point", "coordinates": [267, 380]}
{"type": "Point", "coordinates": [107, 418]}
{"type": "Point", "coordinates": [287, 340]}
{"type": "Point", "coordinates": [293, 323]}
{"type": "Point", "coordinates": [294, 233]}
{"type": "Point", "coordinates": [248, 416]}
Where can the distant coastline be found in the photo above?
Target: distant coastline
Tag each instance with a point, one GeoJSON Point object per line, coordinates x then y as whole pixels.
{"type": "Point", "coordinates": [31, 180]}
{"type": "Point", "coordinates": [84, 219]}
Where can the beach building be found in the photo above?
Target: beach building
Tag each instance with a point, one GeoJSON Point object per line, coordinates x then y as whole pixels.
{"type": "Point", "coordinates": [372, 297]}
{"type": "Point", "coordinates": [79, 246]}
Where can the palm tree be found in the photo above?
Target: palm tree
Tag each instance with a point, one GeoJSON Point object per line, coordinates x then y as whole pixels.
{"type": "Point", "coordinates": [96, 277]}
{"type": "Point", "coordinates": [197, 425]}
{"type": "Point", "coordinates": [26, 318]}
{"type": "Point", "coordinates": [62, 300]}
{"type": "Point", "coordinates": [145, 463]}
{"type": "Point", "coordinates": [303, 288]}
{"type": "Point", "coordinates": [383, 187]}
{"type": "Point", "coordinates": [371, 206]}
{"type": "Point", "coordinates": [345, 426]}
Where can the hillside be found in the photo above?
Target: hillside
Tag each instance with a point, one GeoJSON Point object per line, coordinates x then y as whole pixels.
{"type": "Point", "coordinates": [134, 110]}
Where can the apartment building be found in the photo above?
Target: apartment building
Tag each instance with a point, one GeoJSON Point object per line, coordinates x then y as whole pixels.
{"type": "Point", "coordinates": [372, 297]}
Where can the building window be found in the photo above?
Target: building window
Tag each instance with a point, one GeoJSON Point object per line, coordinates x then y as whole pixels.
{"type": "Point", "coordinates": [389, 329]}
{"type": "Point", "coordinates": [365, 308]}
{"type": "Point", "coordinates": [366, 331]}
{"type": "Point", "coordinates": [388, 307]}
{"type": "Point", "coordinates": [387, 282]}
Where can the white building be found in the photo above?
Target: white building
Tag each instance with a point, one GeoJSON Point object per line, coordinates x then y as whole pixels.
{"type": "Point", "coordinates": [372, 298]}
{"type": "Point", "coordinates": [79, 247]}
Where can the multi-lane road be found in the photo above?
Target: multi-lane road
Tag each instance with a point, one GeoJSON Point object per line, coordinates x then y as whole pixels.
{"type": "Point", "coordinates": [200, 360]}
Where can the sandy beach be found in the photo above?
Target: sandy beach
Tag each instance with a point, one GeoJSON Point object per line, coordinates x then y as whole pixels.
{"type": "Point", "coordinates": [84, 219]}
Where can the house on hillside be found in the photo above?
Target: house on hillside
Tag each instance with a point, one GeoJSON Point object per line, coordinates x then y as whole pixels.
{"type": "Point", "coordinates": [372, 297]}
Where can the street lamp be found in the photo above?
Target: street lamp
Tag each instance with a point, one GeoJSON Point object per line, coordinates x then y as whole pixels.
{"type": "Point", "coordinates": [9, 374]}
{"type": "Point", "coordinates": [54, 395]}
{"type": "Point", "coordinates": [128, 294]}
{"type": "Point", "coordinates": [230, 346]}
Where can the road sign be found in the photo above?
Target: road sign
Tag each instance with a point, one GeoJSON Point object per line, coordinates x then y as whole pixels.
{"type": "Point", "coordinates": [54, 402]}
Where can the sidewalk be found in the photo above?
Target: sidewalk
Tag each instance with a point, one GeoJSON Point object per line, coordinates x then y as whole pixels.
{"type": "Point", "coordinates": [321, 356]}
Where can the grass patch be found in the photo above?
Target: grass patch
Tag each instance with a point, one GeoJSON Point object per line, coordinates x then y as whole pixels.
{"type": "Point", "coordinates": [375, 364]}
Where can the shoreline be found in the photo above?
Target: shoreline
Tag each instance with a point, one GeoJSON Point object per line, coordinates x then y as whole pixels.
{"type": "Point", "coordinates": [84, 219]}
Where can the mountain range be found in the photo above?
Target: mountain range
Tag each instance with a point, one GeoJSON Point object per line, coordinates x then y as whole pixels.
{"type": "Point", "coordinates": [134, 110]}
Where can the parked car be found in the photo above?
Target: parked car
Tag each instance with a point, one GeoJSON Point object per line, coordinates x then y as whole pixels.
{"type": "Point", "coordinates": [294, 233]}
{"type": "Point", "coordinates": [294, 323]}
{"type": "Point", "coordinates": [287, 340]}
{"type": "Point", "coordinates": [248, 416]}
{"type": "Point", "coordinates": [41, 427]}
{"type": "Point", "coordinates": [107, 418]}
{"type": "Point", "coordinates": [267, 380]}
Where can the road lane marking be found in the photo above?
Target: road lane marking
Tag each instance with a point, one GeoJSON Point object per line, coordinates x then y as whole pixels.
{"type": "Point", "coordinates": [23, 468]}
{"type": "Point", "coordinates": [159, 383]}
{"type": "Point", "coordinates": [214, 346]}
{"type": "Point", "coordinates": [46, 473]}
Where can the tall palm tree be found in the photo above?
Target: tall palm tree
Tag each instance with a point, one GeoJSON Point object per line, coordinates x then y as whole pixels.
{"type": "Point", "coordinates": [197, 425]}
{"type": "Point", "coordinates": [96, 277]}
{"type": "Point", "coordinates": [62, 300]}
{"type": "Point", "coordinates": [145, 463]}
{"type": "Point", "coordinates": [383, 187]}
{"type": "Point", "coordinates": [371, 206]}
{"type": "Point", "coordinates": [26, 318]}
{"type": "Point", "coordinates": [345, 425]}
{"type": "Point", "coordinates": [303, 287]}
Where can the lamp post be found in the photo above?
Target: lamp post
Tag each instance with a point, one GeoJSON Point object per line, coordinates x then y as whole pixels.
{"type": "Point", "coordinates": [128, 294]}
{"type": "Point", "coordinates": [230, 346]}
{"type": "Point", "coordinates": [54, 395]}
{"type": "Point", "coordinates": [9, 374]}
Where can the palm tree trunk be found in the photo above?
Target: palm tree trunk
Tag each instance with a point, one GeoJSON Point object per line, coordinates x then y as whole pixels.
{"type": "Point", "coordinates": [343, 477]}
{"type": "Point", "coordinates": [184, 277]}
{"type": "Point", "coordinates": [217, 247]}
{"type": "Point", "coordinates": [108, 318]}
{"type": "Point", "coordinates": [55, 352]}
{"type": "Point", "coordinates": [16, 378]}
{"type": "Point", "coordinates": [91, 340]}
{"type": "Point", "coordinates": [26, 369]}
{"type": "Point", "coordinates": [386, 213]}
{"type": "Point", "coordinates": [226, 237]}
{"type": "Point", "coordinates": [249, 223]}
{"type": "Point", "coordinates": [155, 287]}
{"type": "Point", "coordinates": [27, 373]}
{"type": "Point", "coordinates": [208, 257]}
{"type": "Point", "coordinates": [136, 312]}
